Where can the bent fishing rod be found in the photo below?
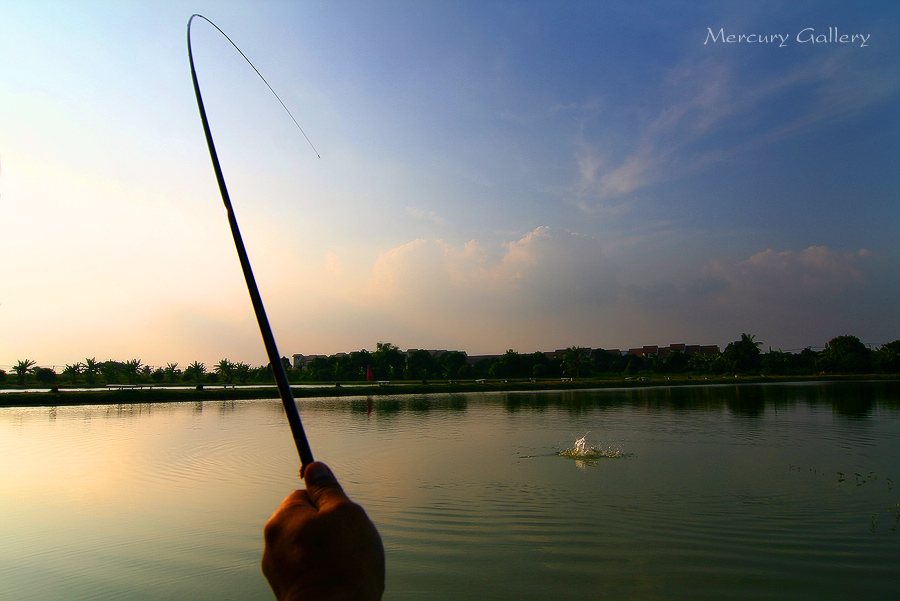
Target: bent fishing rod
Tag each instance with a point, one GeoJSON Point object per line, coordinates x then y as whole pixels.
{"type": "Point", "coordinates": [284, 388]}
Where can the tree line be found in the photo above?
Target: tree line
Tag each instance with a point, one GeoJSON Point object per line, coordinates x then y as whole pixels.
{"type": "Point", "coordinates": [842, 355]}
{"type": "Point", "coordinates": [99, 373]}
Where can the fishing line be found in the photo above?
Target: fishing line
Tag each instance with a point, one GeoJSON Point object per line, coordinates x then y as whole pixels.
{"type": "Point", "coordinates": [284, 387]}
{"type": "Point", "coordinates": [257, 72]}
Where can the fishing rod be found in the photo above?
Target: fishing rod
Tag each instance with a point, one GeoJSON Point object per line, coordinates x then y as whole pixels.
{"type": "Point", "coordinates": [284, 388]}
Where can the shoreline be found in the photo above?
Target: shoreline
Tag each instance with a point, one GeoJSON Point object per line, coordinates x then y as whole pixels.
{"type": "Point", "coordinates": [75, 396]}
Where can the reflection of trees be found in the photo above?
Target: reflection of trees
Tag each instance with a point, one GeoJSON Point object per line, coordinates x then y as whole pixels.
{"type": "Point", "coordinates": [388, 406]}
{"type": "Point", "coordinates": [419, 404]}
{"type": "Point", "coordinates": [458, 402]}
{"type": "Point", "coordinates": [746, 401]}
{"type": "Point", "coordinates": [534, 401]}
{"type": "Point", "coordinates": [855, 401]}
{"type": "Point", "coordinates": [513, 403]}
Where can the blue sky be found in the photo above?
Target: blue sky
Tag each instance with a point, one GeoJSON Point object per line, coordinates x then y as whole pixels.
{"type": "Point", "coordinates": [493, 175]}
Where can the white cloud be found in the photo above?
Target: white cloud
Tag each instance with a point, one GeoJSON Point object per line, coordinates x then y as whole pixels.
{"type": "Point", "coordinates": [695, 97]}
{"type": "Point", "coordinates": [423, 215]}
{"type": "Point", "coordinates": [539, 265]}
{"type": "Point", "coordinates": [698, 115]}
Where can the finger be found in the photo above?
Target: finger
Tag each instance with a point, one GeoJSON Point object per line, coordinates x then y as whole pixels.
{"type": "Point", "coordinates": [298, 498]}
{"type": "Point", "coordinates": [322, 487]}
{"type": "Point", "coordinates": [293, 507]}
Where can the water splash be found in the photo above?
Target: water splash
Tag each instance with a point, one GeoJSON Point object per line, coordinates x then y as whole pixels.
{"type": "Point", "coordinates": [582, 450]}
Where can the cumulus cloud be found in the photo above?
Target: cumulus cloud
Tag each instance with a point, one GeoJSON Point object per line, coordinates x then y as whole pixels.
{"type": "Point", "coordinates": [552, 288]}
{"type": "Point", "coordinates": [530, 270]}
{"type": "Point", "coordinates": [545, 282]}
{"type": "Point", "coordinates": [815, 271]}
{"type": "Point", "coordinates": [790, 298]}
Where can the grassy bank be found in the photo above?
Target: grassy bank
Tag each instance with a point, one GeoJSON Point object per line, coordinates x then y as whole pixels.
{"type": "Point", "coordinates": [75, 396]}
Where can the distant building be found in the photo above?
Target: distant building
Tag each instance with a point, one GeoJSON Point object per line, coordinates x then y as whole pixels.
{"type": "Point", "coordinates": [607, 351]}
{"type": "Point", "coordinates": [300, 361]}
{"type": "Point", "coordinates": [435, 354]}
{"type": "Point", "coordinates": [473, 359]}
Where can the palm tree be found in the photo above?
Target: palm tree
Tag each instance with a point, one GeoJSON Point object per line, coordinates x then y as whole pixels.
{"type": "Point", "coordinates": [72, 371]}
{"type": "Point", "coordinates": [226, 369]}
{"type": "Point", "coordinates": [132, 368]}
{"type": "Point", "coordinates": [90, 369]}
{"type": "Point", "coordinates": [22, 368]}
{"type": "Point", "coordinates": [744, 354]}
{"type": "Point", "coordinates": [195, 371]}
{"type": "Point", "coordinates": [171, 371]}
{"type": "Point", "coordinates": [242, 372]}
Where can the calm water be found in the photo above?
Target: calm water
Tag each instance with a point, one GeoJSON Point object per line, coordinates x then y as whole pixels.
{"type": "Point", "coordinates": [717, 493]}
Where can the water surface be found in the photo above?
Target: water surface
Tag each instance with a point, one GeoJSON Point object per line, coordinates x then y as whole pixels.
{"type": "Point", "coordinates": [731, 492]}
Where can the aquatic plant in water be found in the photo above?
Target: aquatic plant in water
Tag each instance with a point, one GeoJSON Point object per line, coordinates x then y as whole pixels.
{"type": "Point", "coordinates": [895, 507]}
{"type": "Point", "coordinates": [894, 510]}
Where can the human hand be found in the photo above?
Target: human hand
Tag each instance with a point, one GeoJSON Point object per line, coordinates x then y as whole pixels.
{"type": "Point", "coordinates": [321, 545]}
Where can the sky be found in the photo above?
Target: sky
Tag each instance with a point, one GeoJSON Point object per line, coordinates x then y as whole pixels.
{"type": "Point", "coordinates": [493, 175]}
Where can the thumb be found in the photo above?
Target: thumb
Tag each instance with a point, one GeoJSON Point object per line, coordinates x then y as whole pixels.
{"type": "Point", "coordinates": [322, 487]}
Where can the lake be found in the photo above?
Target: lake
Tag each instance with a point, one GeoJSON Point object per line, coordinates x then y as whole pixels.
{"type": "Point", "coordinates": [716, 492]}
